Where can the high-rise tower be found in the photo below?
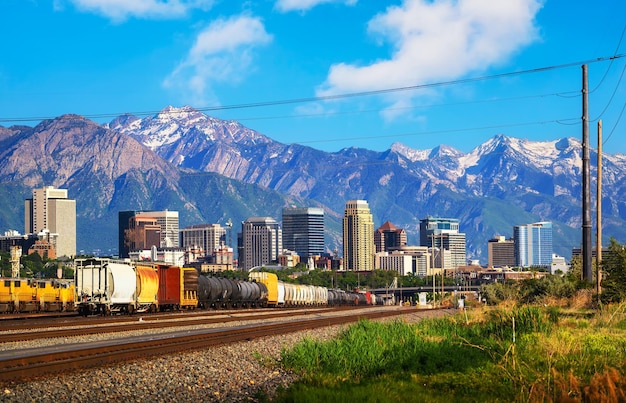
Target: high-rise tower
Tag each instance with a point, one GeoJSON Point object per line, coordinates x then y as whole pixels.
{"type": "Point", "coordinates": [533, 244]}
{"type": "Point", "coordinates": [164, 225]}
{"type": "Point", "coordinates": [50, 209]}
{"type": "Point", "coordinates": [261, 239]}
{"type": "Point", "coordinates": [388, 237]}
{"type": "Point", "coordinates": [444, 233]}
{"type": "Point", "coordinates": [303, 230]}
{"type": "Point", "coordinates": [358, 236]}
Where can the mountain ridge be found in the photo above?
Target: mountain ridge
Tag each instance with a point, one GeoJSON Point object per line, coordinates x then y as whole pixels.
{"type": "Point", "coordinates": [500, 183]}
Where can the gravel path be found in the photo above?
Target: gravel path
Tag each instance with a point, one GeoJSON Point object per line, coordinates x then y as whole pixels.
{"type": "Point", "coordinates": [240, 372]}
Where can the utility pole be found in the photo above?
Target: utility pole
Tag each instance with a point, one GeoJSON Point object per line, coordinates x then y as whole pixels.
{"type": "Point", "coordinates": [587, 271]}
{"type": "Point", "coordinates": [599, 214]}
{"type": "Point", "coordinates": [432, 251]}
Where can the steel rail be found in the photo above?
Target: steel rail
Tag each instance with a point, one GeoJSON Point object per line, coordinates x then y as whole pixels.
{"type": "Point", "coordinates": [139, 324]}
{"type": "Point", "coordinates": [19, 365]}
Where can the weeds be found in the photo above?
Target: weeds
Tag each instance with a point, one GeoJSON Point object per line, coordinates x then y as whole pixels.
{"type": "Point", "coordinates": [469, 357]}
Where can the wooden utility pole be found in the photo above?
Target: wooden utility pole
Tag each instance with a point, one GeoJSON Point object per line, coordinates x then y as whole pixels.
{"type": "Point", "coordinates": [587, 271]}
{"type": "Point", "coordinates": [599, 214]}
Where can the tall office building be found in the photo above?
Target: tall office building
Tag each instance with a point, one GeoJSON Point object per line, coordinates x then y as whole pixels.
{"type": "Point", "coordinates": [50, 209]}
{"type": "Point", "coordinates": [167, 222]}
{"type": "Point", "coordinates": [501, 252]}
{"type": "Point", "coordinates": [358, 236]}
{"type": "Point", "coordinates": [209, 237]}
{"type": "Point", "coordinates": [388, 237]}
{"type": "Point", "coordinates": [261, 239]}
{"type": "Point", "coordinates": [444, 233]}
{"type": "Point", "coordinates": [303, 231]}
{"type": "Point", "coordinates": [533, 244]}
{"type": "Point", "coordinates": [143, 233]}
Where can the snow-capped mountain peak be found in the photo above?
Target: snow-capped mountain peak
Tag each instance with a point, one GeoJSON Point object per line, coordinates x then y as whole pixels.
{"type": "Point", "coordinates": [186, 124]}
{"type": "Point", "coordinates": [409, 153]}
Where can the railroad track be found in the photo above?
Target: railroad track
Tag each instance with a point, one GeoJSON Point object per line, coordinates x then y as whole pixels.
{"type": "Point", "coordinates": [30, 363]}
{"type": "Point", "coordinates": [81, 327]}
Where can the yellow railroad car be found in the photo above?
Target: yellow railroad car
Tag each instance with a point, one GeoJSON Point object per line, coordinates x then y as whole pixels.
{"type": "Point", "coordinates": [271, 282]}
{"type": "Point", "coordinates": [18, 295]}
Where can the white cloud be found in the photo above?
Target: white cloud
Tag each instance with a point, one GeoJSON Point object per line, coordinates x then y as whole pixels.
{"type": "Point", "coordinates": [120, 10]}
{"type": "Point", "coordinates": [222, 52]}
{"type": "Point", "coordinates": [305, 5]}
{"type": "Point", "coordinates": [438, 40]}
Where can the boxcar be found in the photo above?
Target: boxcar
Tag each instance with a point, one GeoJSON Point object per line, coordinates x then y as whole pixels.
{"type": "Point", "coordinates": [275, 295]}
{"type": "Point", "coordinates": [178, 287]}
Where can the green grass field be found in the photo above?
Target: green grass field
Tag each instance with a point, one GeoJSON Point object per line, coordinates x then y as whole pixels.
{"type": "Point", "coordinates": [516, 354]}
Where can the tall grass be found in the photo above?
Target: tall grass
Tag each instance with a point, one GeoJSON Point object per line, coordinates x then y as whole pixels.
{"type": "Point", "coordinates": [513, 354]}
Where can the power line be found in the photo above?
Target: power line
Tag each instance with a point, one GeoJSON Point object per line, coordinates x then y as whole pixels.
{"type": "Point", "coordinates": [619, 43]}
{"type": "Point", "coordinates": [341, 96]}
{"type": "Point", "coordinates": [612, 95]}
{"type": "Point", "coordinates": [615, 125]}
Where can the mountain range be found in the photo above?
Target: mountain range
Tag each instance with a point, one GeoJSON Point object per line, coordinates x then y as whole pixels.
{"type": "Point", "coordinates": [212, 171]}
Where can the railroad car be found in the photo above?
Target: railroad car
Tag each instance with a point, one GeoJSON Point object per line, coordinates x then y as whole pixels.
{"type": "Point", "coordinates": [104, 286]}
{"type": "Point", "coordinates": [178, 287]}
{"type": "Point", "coordinates": [217, 292]}
{"type": "Point", "coordinates": [147, 291]}
{"type": "Point", "coordinates": [275, 295]}
{"type": "Point", "coordinates": [18, 295]}
{"type": "Point", "coordinates": [55, 295]}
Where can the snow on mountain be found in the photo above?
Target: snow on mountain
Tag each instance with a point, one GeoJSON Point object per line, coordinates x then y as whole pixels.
{"type": "Point", "coordinates": [409, 153]}
{"type": "Point", "coordinates": [172, 125]}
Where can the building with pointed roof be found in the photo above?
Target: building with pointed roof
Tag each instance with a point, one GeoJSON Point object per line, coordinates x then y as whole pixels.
{"type": "Point", "coordinates": [388, 237]}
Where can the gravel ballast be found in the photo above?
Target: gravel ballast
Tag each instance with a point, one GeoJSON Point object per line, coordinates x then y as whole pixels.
{"type": "Point", "coordinates": [240, 372]}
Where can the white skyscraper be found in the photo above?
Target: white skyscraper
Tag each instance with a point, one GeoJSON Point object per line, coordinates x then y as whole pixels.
{"type": "Point", "coordinates": [51, 210]}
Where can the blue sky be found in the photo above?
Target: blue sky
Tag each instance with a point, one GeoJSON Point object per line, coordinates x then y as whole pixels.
{"type": "Point", "coordinates": [325, 73]}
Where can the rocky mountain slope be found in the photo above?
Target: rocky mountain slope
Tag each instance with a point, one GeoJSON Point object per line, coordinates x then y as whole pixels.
{"type": "Point", "coordinates": [211, 170]}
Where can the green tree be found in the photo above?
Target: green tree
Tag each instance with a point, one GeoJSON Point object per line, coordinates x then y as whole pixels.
{"type": "Point", "coordinates": [614, 268]}
{"type": "Point", "coordinates": [33, 265]}
{"type": "Point", "coordinates": [534, 290]}
{"type": "Point", "coordinates": [5, 264]}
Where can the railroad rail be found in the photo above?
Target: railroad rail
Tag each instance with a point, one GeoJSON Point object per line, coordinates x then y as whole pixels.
{"type": "Point", "coordinates": [30, 363]}
{"type": "Point", "coordinates": [111, 324]}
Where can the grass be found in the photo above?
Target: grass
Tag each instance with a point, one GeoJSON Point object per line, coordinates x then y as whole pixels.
{"type": "Point", "coordinates": [508, 354]}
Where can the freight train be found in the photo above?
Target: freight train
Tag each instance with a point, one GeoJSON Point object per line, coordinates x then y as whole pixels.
{"type": "Point", "coordinates": [105, 286]}
{"type": "Point", "coordinates": [36, 295]}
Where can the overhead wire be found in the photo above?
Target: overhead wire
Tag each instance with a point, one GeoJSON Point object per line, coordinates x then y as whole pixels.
{"type": "Point", "coordinates": [612, 95]}
{"type": "Point", "coordinates": [619, 43]}
{"type": "Point", "coordinates": [619, 117]}
{"type": "Point", "coordinates": [339, 96]}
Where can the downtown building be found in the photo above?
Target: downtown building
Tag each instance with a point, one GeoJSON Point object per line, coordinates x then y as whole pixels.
{"type": "Point", "coordinates": [208, 238]}
{"type": "Point", "coordinates": [406, 260]}
{"type": "Point", "coordinates": [51, 211]}
{"type": "Point", "coordinates": [533, 244]}
{"type": "Point", "coordinates": [358, 236]}
{"type": "Point", "coordinates": [142, 230]}
{"type": "Point", "coordinates": [388, 237]}
{"type": "Point", "coordinates": [260, 242]}
{"type": "Point", "coordinates": [443, 234]}
{"type": "Point", "coordinates": [303, 231]}
{"type": "Point", "coordinates": [501, 252]}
